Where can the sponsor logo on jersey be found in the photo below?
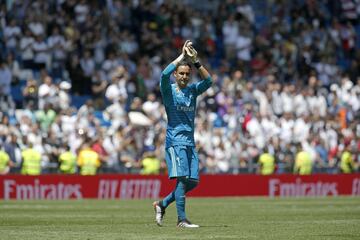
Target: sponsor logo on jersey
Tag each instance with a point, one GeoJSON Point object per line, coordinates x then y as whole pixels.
{"type": "Point", "coordinates": [185, 108]}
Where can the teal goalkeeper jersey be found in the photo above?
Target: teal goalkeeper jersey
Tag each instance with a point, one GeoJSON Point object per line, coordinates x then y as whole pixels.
{"type": "Point", "coordinates": [180, 105]}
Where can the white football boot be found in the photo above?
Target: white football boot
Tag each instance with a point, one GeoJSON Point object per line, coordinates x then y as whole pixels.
{"type": "Point", "coordinates": [159, 213]}
{"type": "Point", "coordinates": [186, 224]}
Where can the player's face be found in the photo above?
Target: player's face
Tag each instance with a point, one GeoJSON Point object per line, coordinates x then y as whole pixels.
{"type": "Point", "coordinates": [182, 75]}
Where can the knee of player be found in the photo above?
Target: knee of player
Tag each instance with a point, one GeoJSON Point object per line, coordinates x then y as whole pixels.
{"type": "Point", "coordinates": [191, 184]}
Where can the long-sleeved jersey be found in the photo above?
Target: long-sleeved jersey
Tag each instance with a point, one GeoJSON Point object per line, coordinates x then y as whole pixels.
{"type": "Point", "coordinates": [180, 105]}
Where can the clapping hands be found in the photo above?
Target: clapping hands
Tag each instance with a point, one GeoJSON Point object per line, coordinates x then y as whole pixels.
{"type": "Point", "coordinates": [189, 51]}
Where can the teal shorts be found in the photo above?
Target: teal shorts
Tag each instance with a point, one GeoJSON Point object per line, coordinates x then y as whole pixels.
{"type": "Point", "coordinates": [182, 161]}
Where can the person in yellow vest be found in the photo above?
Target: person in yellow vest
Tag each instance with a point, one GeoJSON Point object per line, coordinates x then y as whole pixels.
{"type": "Point", "coordinates": [31, 164]}
{"type": "Point", "coordinates": [5, 162]}
{"type": "Point", "coordinates": [88, 160]}
{"type": "Point", "coordinates": [150, 163]}
{"type": "Point", "coordinates": [347, 164]}
{"type": "Point", "coordinates": [266, 164]}
{"type": "Point", "coordinates": [303, 163]}
{"type": "Point", "coordinates": [67, 161]}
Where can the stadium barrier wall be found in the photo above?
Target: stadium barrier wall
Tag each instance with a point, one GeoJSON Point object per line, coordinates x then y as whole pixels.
{"type": "Point", "coordinates": [58, 187]}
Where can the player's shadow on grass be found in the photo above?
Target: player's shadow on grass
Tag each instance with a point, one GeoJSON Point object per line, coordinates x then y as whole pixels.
{"type": "Point", "coordinates": [201, 226]}
{"type": "Point", "coordinates": [214, 226]}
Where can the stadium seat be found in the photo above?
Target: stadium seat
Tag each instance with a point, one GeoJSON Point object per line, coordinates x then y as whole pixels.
{"type": "Point", "coordinates": [260, 21]}
{"type": "Point", "coordinates": [343, 63]}
{"type": "Point", "coordinates": [103, 122]}
{"type": "Point", "coordinates": [79, 100]}
{"type": "Point", "coordinates": [16, 93]}
{"type": "Point", "coordinates": [357, 29]}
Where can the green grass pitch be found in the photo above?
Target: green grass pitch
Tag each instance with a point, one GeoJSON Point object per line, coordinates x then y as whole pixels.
{"type": "Point", "coordinates": [219, 218]}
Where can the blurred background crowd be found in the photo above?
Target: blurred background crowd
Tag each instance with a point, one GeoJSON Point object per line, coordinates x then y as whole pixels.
{"type": "Point", "coordinates": [79, 84]}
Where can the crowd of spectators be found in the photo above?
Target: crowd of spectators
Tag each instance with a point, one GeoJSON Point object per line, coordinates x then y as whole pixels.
{"type": "Point", "coordinates": [286, 79]}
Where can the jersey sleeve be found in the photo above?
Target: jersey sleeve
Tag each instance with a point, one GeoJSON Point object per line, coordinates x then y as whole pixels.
{"type": "Point", "coordinates": [203, 85]}
{"type": "Point", "coordinates": [165, 85]}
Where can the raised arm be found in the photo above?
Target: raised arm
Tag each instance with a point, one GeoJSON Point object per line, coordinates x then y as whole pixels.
{"type": "Point", "coordinates": [165, 75]}
{"type": "Point", "coordinates": [206, 81]}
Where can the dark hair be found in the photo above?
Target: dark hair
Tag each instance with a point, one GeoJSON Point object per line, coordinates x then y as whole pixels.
{"type": "Point", "coordinates": [183, 63]}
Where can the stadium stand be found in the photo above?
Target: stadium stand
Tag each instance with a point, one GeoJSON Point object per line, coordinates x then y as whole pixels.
{"type": "Point", "coordinates": [286, 73]}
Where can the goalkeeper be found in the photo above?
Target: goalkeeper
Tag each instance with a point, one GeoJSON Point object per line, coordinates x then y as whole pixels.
{"type": "Point", "coordinates": [182, 160]}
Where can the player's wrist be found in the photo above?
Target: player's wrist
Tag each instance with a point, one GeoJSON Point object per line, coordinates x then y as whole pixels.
{"type": "Point", "coordinates": [197, 63]}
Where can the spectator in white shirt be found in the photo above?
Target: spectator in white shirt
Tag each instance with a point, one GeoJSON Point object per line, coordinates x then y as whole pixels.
{"type": "Point", "coordinates": [151, 107]}
{"type": "Point", "coordinates": [117, 89]}
{"type": "Point", "coordinates": [311, 100]}
{"type": "Point", "coordinates": [276, 100]}
{"type": "Point", "coordinates": [109, 65]}
{"type": "Point", "coordinates": [12, 34]}
{"type": "Point", "coordinates": [87, 64]}
{"type": "Point", "coordinates": [287, 99]}
{"type": "Point", "coordinates": [243, 46]}
{"type": "Point", "coordinates": [36, 27]}
{"type": "Point", "coordinates": [57, 45]}
{"type": "Point", "coordinates": [81, 11]}
{"type": "Point", "coordinates": [264, 105]}
{"type": "Point", "coordinates": [14, 67]}
{"type": "Point", "coordinates": [326, 71]}
{"type": "Point", "coordinates": [5, 86]}
{"type": "Point", "coordinates": [301, 128]}
{"type": "Point", "coordinates": [64, 98]}
{"type": "Point", "coordinates": [286, 125]}
{"type": "Point", "coordinates": [269, 126]}
{"type": "Point", "coordinates": [26, 47]}
{"type": "Point", "coordinates": [321, 104]}
{"type": "Point", "coordinates": [99, 48]}
{"type": "Point", "coordinates": [256, 131]}
{"type": "Point", "coordinates": [47, 92]}
{"type": "Point", "coordinates": [354, 100]}
{"type": "Point", "coordinates": [300, 103]}
{"type": "Point", "coordinates": [230, 31]}
{"type": "Point", "coordinates": [246, 10]}
{"type": "Point", "coordinates": [41, 53]}
{"type": "Point", "coordinates": [116, 114]}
